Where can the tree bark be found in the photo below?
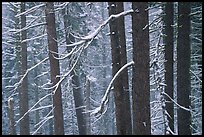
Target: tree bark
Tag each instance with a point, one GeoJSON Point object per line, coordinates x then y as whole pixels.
{"type": "Point", "coordinates": [54, 68]}
{"type": "Point", "coordinates": [120, 89]}
{"type": "Point", "coordinates": [183, 68]}
{"type": "Point", "coordinates": [24, 123]}
{"type": "Point", "coordinates": [141, 85]}
{"type": "Point", "coordinates": [88, 107]}
{"type": "Point", "coordinates": [169, 48]}
{"type": "Point", "coordinates": [124, 75]}
{"type": "Point", "coordinates": [12, 129]}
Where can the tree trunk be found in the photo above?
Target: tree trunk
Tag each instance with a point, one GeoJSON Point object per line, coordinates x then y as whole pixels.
{"type": "Point", "coordinates": [124, 75]}
{"type": "Point", "coordinates": [11, 117]}
{"type": "Point", "coordinates": [169, 48]}
{"type": "Point", "coordinates": [88, 107]}
{"type": "Point", "coordinates": [141, 85]}
{"type": "Point", "coordinates": [24, 123]}
{"type": "Point", "coordinates": [120, 90]}
{"type": "Point", "coordinates": [54, 68]}
{"type": "Point", "coordinates": [79, 103]}
{"type": "Point", "coordinates": [183, 68]}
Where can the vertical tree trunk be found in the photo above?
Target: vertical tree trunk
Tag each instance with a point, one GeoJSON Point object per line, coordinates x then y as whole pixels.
{"type": "Point", "coordinates": [124, 75]}
{"type": "Point", "coordinates": [24, 123]}
{"type": "Point", "coordinates": [79, 103]}
{"type": "Point", "coordinates": [169, 48]}
{"type": "Point", "coordinates": [77, 90]}
{"type": "Point", "coordinates": [116, 65]}
{"type": "Point", "coordinates": [183, 70]}
{"type": "Point", "coordinates": [54, 68]}
{"type": "Point", "coordinates": [88, 107]}
{"type": "Point", "coordinates": [12, 129]}
{"type": "Point", "coordinates": [141, 85]}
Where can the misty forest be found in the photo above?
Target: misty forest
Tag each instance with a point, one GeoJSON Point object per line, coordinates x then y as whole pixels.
{"type": "Point", "coordinates": [102, 68]}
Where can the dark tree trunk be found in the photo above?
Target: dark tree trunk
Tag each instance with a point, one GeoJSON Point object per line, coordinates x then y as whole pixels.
{"type": "Point", "coordinates": [24, 123]}
{"type": "Point", "coordinates": [79, 103]}
{"type": "Point", "coordinates": [54, 68]}
{"type": "Point", "coordinates": [183, 68]}
{"type": "Point", "coordinates": [124, 75]}
{"type": "Point", "coordinates": [141, 85]}
{"type": "Point", "coordinates": [120, 89]}
{"type": "Point", "coordinates": [169, 48]}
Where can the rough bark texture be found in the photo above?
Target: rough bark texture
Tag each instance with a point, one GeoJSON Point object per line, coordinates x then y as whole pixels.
{"type": "Point", "coordinates": [141, 85]}
{"type": "Point", "coordinates": [183, 66]}
{"type": "Point", "coordinates": [24, 123]}
{"type": "Point", "coordinates": [169, 48]}
{"type": "Point", "coordinates": [54, 68]}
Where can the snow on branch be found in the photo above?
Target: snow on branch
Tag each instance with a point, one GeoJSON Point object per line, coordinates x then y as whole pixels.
{"type": "Point", "coordinates": [61, 6]}
{"type": "Point", "coordinates": [100, 110]}
{"type": "Point", "coordinates": [187, 109]}
{"type": "Point", "coordinates": [64, 76]}
{"type": "Point", "coordinates": [26, 73]}
{"type": "Point", "coordinates": [32, 107]}
{"type": "Point", "coordinates": [96, 32]}
{"type": "Point", "coordinates": [28, 27]}
{"type": "Point", "coordinates": [30, 10]}
{"type": "Point", "coordinates": [65, 56]}
{"type": "Point", "coordinates": [34, 38]}
{"type": "Point", "coordinates": [45, 119]}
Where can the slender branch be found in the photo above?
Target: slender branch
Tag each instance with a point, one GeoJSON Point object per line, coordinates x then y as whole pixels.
{"type": "Point", "coordinates": [30, 10]}
{"type": "Point", "coordinates": [26, 73]}
{"type": "Point", "coordinates": [32, 107]}
{"type": "Point", "coordinates": [100, 110]}
{"type": "Point", "coordinates": [187, 109]}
